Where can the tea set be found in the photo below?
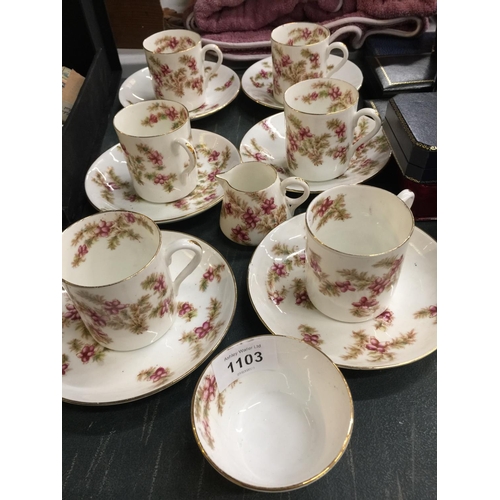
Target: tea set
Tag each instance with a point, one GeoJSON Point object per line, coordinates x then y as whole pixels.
{"type": "Point", "coordinates": [350, 283]}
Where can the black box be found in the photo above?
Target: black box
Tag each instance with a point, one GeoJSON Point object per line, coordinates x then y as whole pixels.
{"type": "Point", "coordinates": [410, 125]}
{"type": "Point", "coordinates": [394, 65]}
{"type": "Point", "coordinates": [88, 47]}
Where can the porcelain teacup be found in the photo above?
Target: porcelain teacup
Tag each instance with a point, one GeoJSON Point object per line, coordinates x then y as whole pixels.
{"type": "Point", "coordinates": [320, 118]}
{"type": "Point", "coordinates": [356, 240]}
{"type": "Point", "coordinates": [116, 273]}
{"type": "Point", "coordinates": [175, 60]}
{"type": "Point", "coordinates": [277, 423]}
{"type": "Point", "coordinates": [300, 51]}
{"type": "Point", "coordinates": [255, 201]}
{"type": "Point", "coordinates": [155, 138]}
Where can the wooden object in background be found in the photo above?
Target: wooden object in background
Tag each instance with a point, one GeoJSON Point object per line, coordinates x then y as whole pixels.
{"type": "Point", "coordinates": [132, 21]}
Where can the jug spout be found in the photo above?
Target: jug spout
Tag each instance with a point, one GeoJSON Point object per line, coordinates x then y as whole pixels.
{"type": "Point", "coordinates": [223, 179]}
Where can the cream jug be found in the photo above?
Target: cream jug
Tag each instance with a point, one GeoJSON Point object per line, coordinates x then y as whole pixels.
{"type": "Point", "coordinates": [255, 202]}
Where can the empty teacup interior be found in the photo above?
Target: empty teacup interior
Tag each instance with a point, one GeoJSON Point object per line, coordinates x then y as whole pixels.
{"type": "Point", "coordinates": [171, 41]}
{"type": "Point", "coordinates": [299, 34]}
{"type": "Point", "coordinates": [250, 176]}
{"type": "Point", "coordinates": [151, 118]}
{"type": "Point", "coordinates": [321, 96]}
{"type": "Point", "coordinates": [280, 428]}
{"type": "Point", "coordinates": [359, 220]}
{"type": "Point", "coordinates": [107, 248]}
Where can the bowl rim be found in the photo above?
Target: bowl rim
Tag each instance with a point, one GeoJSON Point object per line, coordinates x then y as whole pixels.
{"type": "Point", "coordinates": [292, 486]}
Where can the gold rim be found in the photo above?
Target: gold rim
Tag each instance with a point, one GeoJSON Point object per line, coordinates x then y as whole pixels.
{"type": "Point", "coordinates": [339, 364]}
{"type": "Point", "coordinates": [328, 113]}
{"type": "Point", "coordinates": [123, 211]}
{"type": "Point", "coordinates": [325, 31]}
{"type": "Point", "coordinates": [293, 486]}
{"type": "Point", "coordinates": [329, 248]}
{"type": "Point", "coordinates": [146, 104]}
{"type": "Point", "coordinates": [191, 34]}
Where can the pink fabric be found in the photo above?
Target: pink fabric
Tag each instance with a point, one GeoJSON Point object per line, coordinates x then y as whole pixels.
{"type": "Point", "coordinates": [219, 16]}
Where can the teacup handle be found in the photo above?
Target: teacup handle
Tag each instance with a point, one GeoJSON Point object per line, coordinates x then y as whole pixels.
{"type": "Point", "coordinates": [184, 244]}
{"type": "Point", "coordinates": [345, 54]}
{"type": "Point", "coordinates": [216, 66]}
{"type": "Point", "coordinates": [363, 112]}
{"type": "Point", "coordinates": [191, 152]}
{"type": "Point", "coordinates": [407, 196]}
{"type": "Point", "coordinates": [293, 203]}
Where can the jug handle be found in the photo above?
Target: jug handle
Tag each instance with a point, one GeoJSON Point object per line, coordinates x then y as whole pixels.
{"type": "Point", "coordinates": [188, 147]}
{"type": "Point", "coordinates": [293, 203]}
{"type": "Point", "coordinates": [184, 244]}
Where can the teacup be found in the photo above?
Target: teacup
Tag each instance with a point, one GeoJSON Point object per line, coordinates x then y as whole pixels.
{"type": "Point", "coordinates": [320, 119]}
{"type": "Point", "coordinates": [356, 239]}
{"type": "Point", "coordinates": [255, 201]}
{"type": "Point", "coordinates": [154, 136]}
{"type": "Point", "coordinates": [300, 51]}
{"type": "Point", "coordinates": [116, 273]}
{"type": "Point", "coordinates": [272, 413]}
{"type": "Point", "coordinates": [176, 60]}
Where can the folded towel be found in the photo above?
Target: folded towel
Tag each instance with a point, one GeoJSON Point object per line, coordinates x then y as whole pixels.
{"type": "Point", "coordinates": [242, 28]}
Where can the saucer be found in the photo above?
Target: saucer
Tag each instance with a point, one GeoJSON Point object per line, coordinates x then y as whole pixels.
{"type": "Point", "coordinates": [222, 89]}
{"type": "Point", "coordinates": [109, 186]}
{"type": "Point", "coordinates": [94, 375]}
{"type": "Point", "coordinates": [404, 333]}
{"type": "Point", "coordinates": [266, 142]}
{"type": "Point", "coordinates": [257, 81]}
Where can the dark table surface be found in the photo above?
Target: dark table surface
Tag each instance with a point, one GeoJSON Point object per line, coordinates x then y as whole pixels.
{"type": "Point", "coordinates": [146, 449]}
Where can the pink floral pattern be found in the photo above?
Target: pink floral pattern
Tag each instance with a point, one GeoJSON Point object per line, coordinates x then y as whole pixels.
{"type": "Point", "coordinates": [187, 75]}
{"type": "Point", "coordinates": [255, 212]}
{"type": "Point", "coordinates": [114, 230]}
{"type": "Point", "coordinates": [376, 350]}
{"type": "Point", "coordinates": [205, 331]}
{"type": "Point", "coordinates": [157, 376]}
{"type": "Point", "coordinates": [99, 313]}
{"type": "Point", "coordinates": [206, 394]}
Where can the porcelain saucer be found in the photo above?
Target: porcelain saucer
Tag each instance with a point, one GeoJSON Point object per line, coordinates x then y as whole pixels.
{"type": "Point", "coordinates": [94, 375]}
{"type": "Point", "coordinates": [404, 333]}
{"type": "Point", "coordinates": [257, 81]}
{"type": "Point", "coordinates": [109, 187]}
{"type": "Point", "coordinates": [266, 142]}
{"type": "Point", "coordinates": [222, 89]}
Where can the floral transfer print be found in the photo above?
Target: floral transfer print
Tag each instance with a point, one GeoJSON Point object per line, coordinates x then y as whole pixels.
{"type": "Point", "coordinates": [293, 72]}
{"type": "Point", "coordinates": [158, 376]}
{"type": "Point", "coordinates": [367, 287]}
{"type": "Point", "coordinates": [326, 209]}
{"type": "Point", "coordinates": [226, 85]}
{"type": "Point", "coordinates": [310, 336]}
{"type": "Point", "coordinates": [148, 166]}
{"type": "Point", "coordinates": [364, 160]}
{"type": "Point", "coordinates": [171, 44]}
{"type": "Point", "coordinates": [186, 77]}
{"type": "Point", "coordinates": [112, 229]}
{"type": "Point", "coordinates": [211, 274]}
{"type": "Point", "coordinates": [85, 347]}
{"type": "Point", "coordinates": [376, 350]}
{"type": "Point", "coordinates": [111, 314]}
{"type": "Point", "coordinates": [335, 99]}
{"type": "Point", "coordinates": [261, 215]}
{"type": "Point", "coordinates": [160, 111]}
{"type": "Point", "coordinates": [317, 148]}
{"type": "Point", "coordinates": [207, 331]}
{"type": "Point", "coordinates": [214, 162]}
{"type": "Point", "coordinates": [304, 36]}
{"type": "Point", "coordinates": [427, 312]}
{"type": "Point", "coordinates": [206, 394]}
